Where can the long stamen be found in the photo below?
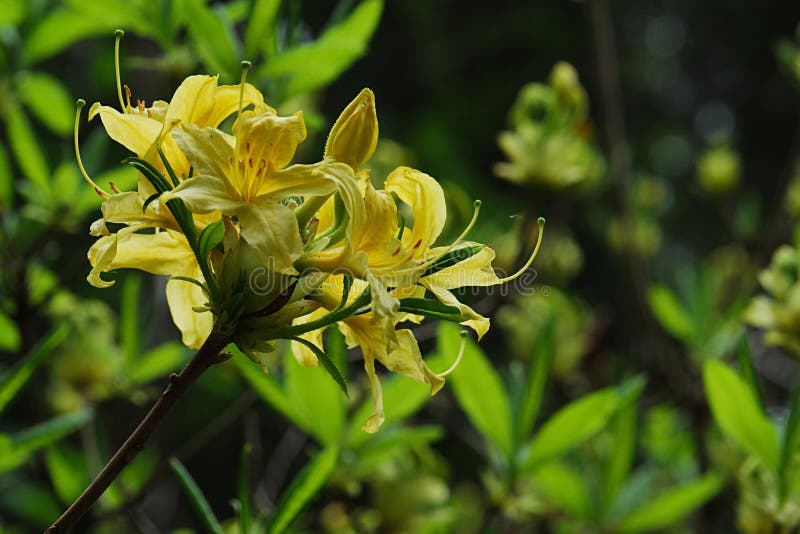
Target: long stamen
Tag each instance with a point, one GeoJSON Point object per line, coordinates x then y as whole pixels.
{"type": "Point", "coordinates": [460, 355]}
{"type": "Point", "coordinates": [118, 37]}
{"type": "Point", "coordinates": [99, 190]}
{"type": "Point", "coordinates": [530, 260]}
{"type": "Point", "coordinates": [245, 67]}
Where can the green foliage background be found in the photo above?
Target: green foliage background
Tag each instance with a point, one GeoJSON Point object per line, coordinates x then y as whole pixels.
{"type": "Point", "coordinates": [625, 392]}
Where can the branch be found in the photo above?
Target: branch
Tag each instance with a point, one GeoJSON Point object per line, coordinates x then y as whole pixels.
{"type": "Point", "coordinates": [177, 387]}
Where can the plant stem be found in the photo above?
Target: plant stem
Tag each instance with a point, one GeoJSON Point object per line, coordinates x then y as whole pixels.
{"type": "Point", "coordinates": [177, 387]}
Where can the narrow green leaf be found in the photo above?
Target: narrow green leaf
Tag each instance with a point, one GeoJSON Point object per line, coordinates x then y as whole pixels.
{"type": "Point", "coordinates": [564, 489]}
{"type": "Point", "coordinates": [15, 379]}
{"type": "Point", "coordinates": [623, 451]}
{"type": "Point", "coordinates": [48, 100]}
{"type": "Point", "coordinates": [303, 489]}
{"type": "Point", "coordinates": [26, 148]}
{"type": "Point", "coordinates": [9, 337]}
{"type": "Point", "coordinates": [244, 490]}
{"type": "Point", "coordinates": [431, 308]}
{"type": "Point", "coordinates": [327, 363]}
{"type": "Point", "coordinates": [164, 359]}
{"type": "Point", "coordinates": [25, 443]}
{"type": "Point", "coordinates": [570, 426]}
{"type": "Point", "coordinates": [541, 363]}
{"type": "Point", "coordinates": [67, 470]}
{"type": "Point", "coordinates": [310, 66]}
{"type": "Point", "coordinates": [317, 399]}
{"type": "Point", "coordinates": [479, 390]}
{"type": "Point", "coordinates": [261, 26]}
{"type": "Point", "coordinates": [13, 12]}
{"type": "Point", "coordinates": [6, 179]}
{"type": "Point", "coordinates": [213, 37]}
{"type": "Point", "coordinates": [453, 257]}
{"type": "Point", "coordinates": [210, 237]}
{"type": "Point", "coordinates": [670, 312]}
{"type": "Point", "coordinates": [336, 348]}
{"type": "Point", "coordinates": [267, 387]}
{"type": "Point", "coordinates": [196, 497]}
{"type": "Point", "coordinates": [129, 331]}
{"type": "Point", "coordinates": [738, 414]}
{"type": "Point", "coordinates": [672, 505]}
{"type": "Point", "coordinates": [748, 371]}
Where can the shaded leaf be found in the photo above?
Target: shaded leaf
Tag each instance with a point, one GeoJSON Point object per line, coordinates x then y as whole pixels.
{"type": "Point", "coordinates": [67, 470]}
{"type": "Point", "coordinates": [162, 360]}
{"type": "Point", "coordinates": [26, 148]}
{"type": "Point", "coordinates": [563, 488]}
{"type": "Point", "coordinates": [670, 312]}
{"type": "Point", "coordinates": [9, 340]}
{"type": "Point", "coordinates": [260, 32]}
{"type": "Point", "coordinates": [303, 489]}
{"type": "Point", "coordinates": [213, 37]}
{"type": "Point", "coordinates": [196, 497]}
{"type": "Point", "coordinates": [48, 100]}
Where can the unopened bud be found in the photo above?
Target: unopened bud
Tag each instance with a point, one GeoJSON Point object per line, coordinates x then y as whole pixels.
{"type": "Point", "coordinates": [354, 136]}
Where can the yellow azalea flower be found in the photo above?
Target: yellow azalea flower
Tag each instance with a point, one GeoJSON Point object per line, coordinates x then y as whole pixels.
{"type": "Point", "coordinates": [164, 253]}
{"type": "Point", "coordinates": [243, 174]}
{"type": "Point", "coordinates": [401, 356]}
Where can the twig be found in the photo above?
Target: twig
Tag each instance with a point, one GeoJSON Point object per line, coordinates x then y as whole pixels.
{"type": "Point", "coordinates": [177, 387]}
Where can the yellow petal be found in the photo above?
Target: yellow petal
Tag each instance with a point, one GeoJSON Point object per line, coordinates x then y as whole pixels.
{"type": "Point", "coordinates": [473, 272]}
{"type": "Point", "coordinates": [354, 136]}
{"type": "Point", "coordinates": [477, 322]}
{"type": "Point", "coordinates": [182, 297]}
{"type": "Point", "coordinates": [271, 229]}
{"type": "Point", "coordinates": [193, 100]}
{"type": "Point", "coordinates": [205, 194]}
{"type": "Point", "coordinates": [265, 139]}
{"type": "Point", "coordinates": [226, 103]}
{"type": "Point", "coordinates": [210, 151]}
{"type": "Point", "coordinates": [137, 133]}
{"type": "Point", "coordinates": [126, 208]}
{"type": "Point", "coordinates": [425, 197]}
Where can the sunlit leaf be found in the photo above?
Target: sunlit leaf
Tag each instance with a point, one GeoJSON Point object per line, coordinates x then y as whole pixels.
{"type": "Point", "coordinates": [13, 12]}
{"type": "Point", "coordinates": [48, 100]}
{"type": "Point", "coordinates": [67, 470]}
{"type": "Point", "coordinates": [303, 489]}
{"type": "Point", "coordinates": [479, 390]}
{"type": "Point", "coordinates": [59, 29]}
{"type": "Point", "coordinates": [672, 505]}
{"type": "Point", "coordinates": [563, 488]}
{"type": "Point", "coordinates": [267, 387]}
{"type": "Point", "coordinates": [670, 312]}
{"type": "Point", "coordinates": [9, 340]}
{"type": "Point", "coordinates": [261, 25]}
{"type": "Point", "coordinates": [736, 411]}
{"type": "Point", "coordinates": [213, 37]}
{"type": "Point", "coordinates": [158, 362]}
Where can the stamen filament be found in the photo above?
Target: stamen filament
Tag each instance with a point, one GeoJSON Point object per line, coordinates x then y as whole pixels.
{"type": "Point", "coordinates": [460, 355]}
{"type": "Point", "coordinates": [118, 34]}
{"type": "Point", "coordinates": [532, 257]}
{"type": "Point", "coordinates": [245, 67]}
{"type": "Point", "coordinates": [99, 190]}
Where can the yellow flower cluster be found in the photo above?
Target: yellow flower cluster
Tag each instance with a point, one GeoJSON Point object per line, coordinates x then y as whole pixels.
{"type": "Point", "coordinates": [259, 249]}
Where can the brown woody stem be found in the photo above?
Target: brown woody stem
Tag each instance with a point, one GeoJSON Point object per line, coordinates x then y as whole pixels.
{"type": "Point", "coordinates": [177, 387]}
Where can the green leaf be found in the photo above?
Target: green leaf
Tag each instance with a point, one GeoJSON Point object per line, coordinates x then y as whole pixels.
{"type": "Point", "coordinates": [316, 399]}
{"type": "Point", "coordinates": [402, 397]}
{"type": "Point", "coordinates": [672, 505]}
{"type": "Point", "coordinates": [453, 257]}
{"type": "Point", "coordinates": [564, 488]}
{"type": "Point", "coordinates": [13, 12]}
{"type": "Point", "coordinates": [6, 179]}
{"type": "Point", "coordinates": [59, 29]}
{"type": "Point", "coordinates": [48, 100]}
{"type": "Point", "coordinates": [196, 497]}
{"type": "Point", "coordinates": [670, 312]}
{"type": "Point", "coordinates": [162, 360]}
{"type": "Point", "coordinates": [382, 447]}
{"type": "Point", "coordinates": [260, 32]}
{"type": "Point", "coordinates": [129, 332]}
{"type": "Point", "coordinates": [479, 390]}
{"type": "Point", "coordinates": [745, 359]}
{"type": "Point", "coordinates": [570, 426]}
{"type": "Point", "coordinates": [213, 37]}
{"type": "Point", "coordinates": [26, 148]}
{"type": "Point", "coordinates": [327, 363]}
{"type": "Point", "coordinates": [541, 363]}
{"type": "Point", "coordinates": [18, 449]}
{"type": "Point", "coordinates": [623, 450]}
{"type": "Point", "coordinates": [736, 411]}
{"type": "Point", "coordinates": [210, 237]}
{"type": "Point", "coordinates": [303, 489]}
{"type": "Point", "coordinates": [310, 66]}
{"type": "Point", "coordinates": [267, 387]}
{"type": "Point", "coordinates": [32, 503]}
{"type": "Point", "coordinates": [67, 470]}
{"type": "Point", "coordinates": [9, 336]}
{"type": "Point", "coordinates": [15, 379]}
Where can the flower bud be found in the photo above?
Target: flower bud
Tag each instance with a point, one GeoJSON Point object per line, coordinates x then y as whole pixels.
{"type": "Point", "coordinates": [354, 136]}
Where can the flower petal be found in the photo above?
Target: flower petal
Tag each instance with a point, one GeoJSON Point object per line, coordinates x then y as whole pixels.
{"type": "Point", "coordinates": [426, 198]}
{"type": "Point", "coordinates": [204, 194]}
{"type": "Point", "coordinates": [271, 229]}
{"type": "Point", "coordinates": [182, 297]}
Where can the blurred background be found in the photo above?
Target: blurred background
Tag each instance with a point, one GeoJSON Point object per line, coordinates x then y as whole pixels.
{"type": "Point", "coordinates": [660, 139]}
